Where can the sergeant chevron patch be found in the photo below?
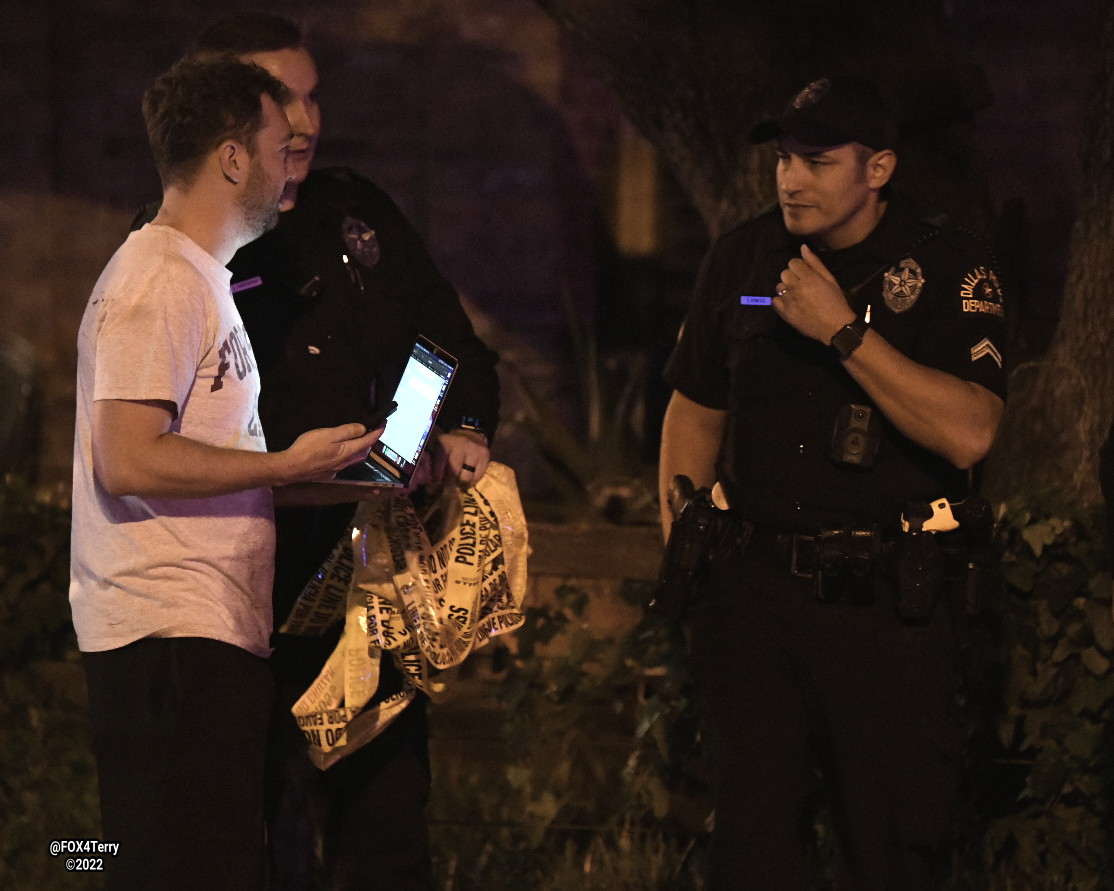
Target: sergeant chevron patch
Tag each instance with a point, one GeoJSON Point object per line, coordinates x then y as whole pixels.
{"type": "Point", "coordinates": [985, 348]}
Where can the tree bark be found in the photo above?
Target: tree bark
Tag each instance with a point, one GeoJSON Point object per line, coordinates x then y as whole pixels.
{"type": "Point", "coordinates": [696, 75]}
{"type": "Point", "coordinates": [1060, 406]}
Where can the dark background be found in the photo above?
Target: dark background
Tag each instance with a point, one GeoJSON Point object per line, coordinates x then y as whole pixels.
{"type": "Point", "coordinates": [509, 155]}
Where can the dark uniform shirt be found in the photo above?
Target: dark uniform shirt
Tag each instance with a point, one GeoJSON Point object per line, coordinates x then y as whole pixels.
{"type": "Point", "coordinates": [933, 293]}
{"type": "Point", "coordinates": [334, 297]}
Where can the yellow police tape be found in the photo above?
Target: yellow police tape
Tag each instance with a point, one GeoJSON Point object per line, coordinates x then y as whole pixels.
{"type": "Point", "coordinates": [425, 605]}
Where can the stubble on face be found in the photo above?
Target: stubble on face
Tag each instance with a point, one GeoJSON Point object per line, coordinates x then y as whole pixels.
{"type": "Point", "coordinates": [259, 203]}
{"type": "Point", "coordinates": [824, 194]}
{"type": "Point", "coordinates": [260, 200]}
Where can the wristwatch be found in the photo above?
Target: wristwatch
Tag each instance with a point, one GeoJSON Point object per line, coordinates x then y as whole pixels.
{"type": "Point", "coordinates": [472, 425]}
{"type": "Point", "coordinates": [849, 338]}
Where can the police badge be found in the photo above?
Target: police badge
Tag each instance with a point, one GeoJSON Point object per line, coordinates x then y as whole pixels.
{"type": "Point", "coordinates": [812, 93]}
{"type": "Point", "coordinates": [361, 241]}
{"type": "Point", "coordinates": [902, 284]}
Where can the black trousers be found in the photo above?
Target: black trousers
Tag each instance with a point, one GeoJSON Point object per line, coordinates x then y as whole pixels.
{"type": "Point", "coordinates": [794, 692]}
{"type": "Point", "coordinates": [369, 809]}
{"type": "Point", "coordinates": [179, 732]}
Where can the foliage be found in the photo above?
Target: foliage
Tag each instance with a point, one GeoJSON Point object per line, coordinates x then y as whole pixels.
{"type": "Point", "coordinates": [598, 469]}
{"type": "Point", "coordinates": [47, 776]}
{"type": "Point", "coordinates": [591, 777]}
{"type": "Point", "coordinates": [594, 781]}
{"type": "Point", "coordinates": [34, 571]}
{"type": "Point", "coordinates": [1055, 728]}
{"type": "Point", "coordinates": [556, 812]}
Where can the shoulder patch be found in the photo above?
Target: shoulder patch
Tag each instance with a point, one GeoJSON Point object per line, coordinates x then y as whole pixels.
{"type": "Point", "coordinates": [902, 284]}
{"type": "Point", "coordinates": [982, 292]}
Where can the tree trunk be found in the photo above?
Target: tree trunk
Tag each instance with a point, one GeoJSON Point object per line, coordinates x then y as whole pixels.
{"type": "Point", "coordinates": [696, 75]}
{"type": "Point", "coordinates": [1060, 406]}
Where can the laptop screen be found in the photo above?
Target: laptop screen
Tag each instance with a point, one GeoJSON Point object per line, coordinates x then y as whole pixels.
{"type": "Point", "coordinates": [421, 390]}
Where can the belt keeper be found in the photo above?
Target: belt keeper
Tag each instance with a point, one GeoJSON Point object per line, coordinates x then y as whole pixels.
{"type": "Point", "coordinates": [794, 554]}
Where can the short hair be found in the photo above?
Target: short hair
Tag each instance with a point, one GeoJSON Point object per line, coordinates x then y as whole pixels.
{"type": "Point", "coordinates": [198, 104]}
{"type": "Point", "coordinates": [863, 152]}
{"type": "Point", "coordinates": [243, 33]}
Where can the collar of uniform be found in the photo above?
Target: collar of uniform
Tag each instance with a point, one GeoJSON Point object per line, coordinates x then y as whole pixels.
{"type": "Point", "coordinates": [886, 244]}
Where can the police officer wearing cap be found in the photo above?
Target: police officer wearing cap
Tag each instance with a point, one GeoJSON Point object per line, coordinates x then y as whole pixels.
{"type": "Point", "coordinates": [841, 364]}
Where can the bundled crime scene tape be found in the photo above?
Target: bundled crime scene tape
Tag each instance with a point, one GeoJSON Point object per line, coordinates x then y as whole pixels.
{"type": "Point", "coordinates": [424, 604]}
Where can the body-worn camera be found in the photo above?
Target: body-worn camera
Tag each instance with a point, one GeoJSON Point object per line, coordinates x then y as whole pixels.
{"type": "Point", "coordinates": [856, 435]}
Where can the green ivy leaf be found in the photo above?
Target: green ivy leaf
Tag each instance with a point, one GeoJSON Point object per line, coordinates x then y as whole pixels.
{"type": "Point", "coordinates": [1042, 534]}
{"type": "Point", "coordinates": [1084, 742]}
{"type": "Point", "coordinates": [1100, 621]}
{"type": "Point", "coordinates": [1047, 777]}
{"type": "Point", "coordinates": [1095, 661]}
{"type": "Point", "coordinates": [1093, 696]}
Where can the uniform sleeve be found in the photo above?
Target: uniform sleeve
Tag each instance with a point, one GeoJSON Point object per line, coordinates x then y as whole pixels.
{"type": "Point", "coordinates": [698, 367]}
{"type": "Point", "coordinates": [474, 393]}
{"type": "Point", "coordinates": [967, 335]}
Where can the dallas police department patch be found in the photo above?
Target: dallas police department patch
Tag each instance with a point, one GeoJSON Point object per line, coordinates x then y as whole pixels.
{"type": "Point", "coordinates": [982, 292]}
{"type": "Point", "coordinates": [902, 285]}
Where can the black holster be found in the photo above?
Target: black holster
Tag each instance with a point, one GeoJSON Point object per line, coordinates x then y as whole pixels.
{"type": "Point", "coordinates": [920, 576]}
{"type": "Point", "coordinates": [929, 564]}
{"type": "Point", "coordinates": [699, 531]}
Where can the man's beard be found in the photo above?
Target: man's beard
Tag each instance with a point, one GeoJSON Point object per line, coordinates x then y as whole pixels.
{"type": "Point", "coordinates": [260, 209]}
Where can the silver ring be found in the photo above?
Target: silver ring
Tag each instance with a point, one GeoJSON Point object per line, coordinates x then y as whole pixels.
{"type": "Point", "coordinates": [780, 290]}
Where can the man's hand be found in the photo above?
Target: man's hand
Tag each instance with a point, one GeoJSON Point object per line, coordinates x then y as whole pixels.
{"type": "Point", "coordinates": [811, 300]}
{"type": "Point", "coordinates": [135, 453]}
{"type": "Point", "coordinates": [319, 454]}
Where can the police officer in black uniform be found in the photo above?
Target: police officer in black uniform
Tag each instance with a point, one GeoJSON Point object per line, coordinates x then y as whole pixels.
{"type": "Point", "coordinates": [332, 299]}
{"type": "Point", "coordinates": [840, 367]}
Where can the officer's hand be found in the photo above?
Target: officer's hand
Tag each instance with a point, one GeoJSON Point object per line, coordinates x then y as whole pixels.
{"type": "Point", "coordinates": [426, 473]}
{"type": "Point", "coordinates": [465, 455]}
{"type": "Point", "coordinates": [810, 299]}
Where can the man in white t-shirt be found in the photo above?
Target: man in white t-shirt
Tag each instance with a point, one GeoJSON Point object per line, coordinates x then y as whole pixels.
{"type": "Point", "coordinates": [173, 530]}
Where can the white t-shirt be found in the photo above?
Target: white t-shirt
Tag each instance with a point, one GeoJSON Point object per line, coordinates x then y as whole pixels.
{"type": "Point", "coordinates": [161, 325]}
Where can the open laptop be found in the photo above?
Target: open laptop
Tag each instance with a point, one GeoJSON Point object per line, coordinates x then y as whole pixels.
{"type": "Point", "coordinates": [421, 390]}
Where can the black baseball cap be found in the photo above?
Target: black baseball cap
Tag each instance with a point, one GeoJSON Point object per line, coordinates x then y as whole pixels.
{"type": "Point", "coordinates": [833, 111]}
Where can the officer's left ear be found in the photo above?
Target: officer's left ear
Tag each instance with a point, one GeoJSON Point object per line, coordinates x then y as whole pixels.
{"type": "Point", "coordinates": [880, 167]}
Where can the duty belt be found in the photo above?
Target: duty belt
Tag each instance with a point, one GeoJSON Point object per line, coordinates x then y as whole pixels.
{"type": "Point", "coordinates": [853, 547]}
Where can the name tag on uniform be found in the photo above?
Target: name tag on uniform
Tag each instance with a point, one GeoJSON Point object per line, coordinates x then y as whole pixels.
{"type": "Point", "coordinates": [755, 301]}
{"type": "Point", "coordinates": [246, 284]}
